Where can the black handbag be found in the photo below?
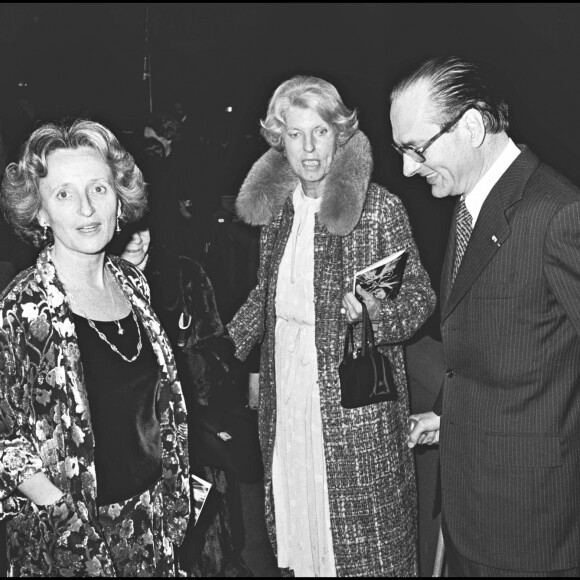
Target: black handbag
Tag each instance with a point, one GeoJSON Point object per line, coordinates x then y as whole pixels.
{"type": "Point", "coordinates": [365, 374]}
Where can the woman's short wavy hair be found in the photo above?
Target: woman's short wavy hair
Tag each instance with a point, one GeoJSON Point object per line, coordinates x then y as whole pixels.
{"type": "Point", "coordinates": [307, 92]}
{"type": "Point", "coordinates": [20, 198]}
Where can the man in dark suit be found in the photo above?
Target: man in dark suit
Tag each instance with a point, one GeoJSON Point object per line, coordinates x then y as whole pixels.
{"type": "Point", "coordinates": [508, 414]}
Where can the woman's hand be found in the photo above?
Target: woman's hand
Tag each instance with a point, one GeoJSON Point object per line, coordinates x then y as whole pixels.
{"type": "Point", "coordinates": [74, 546]}
{"type": "Point", "coordinates": [40, 490]}
{"type": "Point", "coordinates": [353, 308]}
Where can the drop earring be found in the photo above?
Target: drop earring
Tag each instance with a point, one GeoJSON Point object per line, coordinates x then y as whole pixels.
{"type": "Point", "coordinates": [44, 232]}
{"type": "Point", "coordinates": [118, 225]}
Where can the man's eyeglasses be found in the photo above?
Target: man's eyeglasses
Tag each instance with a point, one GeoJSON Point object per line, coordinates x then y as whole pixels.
{"type": "Point", "coordinates": [418, 154]}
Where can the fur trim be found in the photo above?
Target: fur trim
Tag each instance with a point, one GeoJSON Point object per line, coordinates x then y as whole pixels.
{"type": "Point", "coordinates": [271, 181]}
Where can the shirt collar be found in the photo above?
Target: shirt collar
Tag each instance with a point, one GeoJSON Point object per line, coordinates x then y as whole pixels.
{"type": "Point", "coordinates": [475, 198]}
{"type": "Point", "coordinates": [300, 199]}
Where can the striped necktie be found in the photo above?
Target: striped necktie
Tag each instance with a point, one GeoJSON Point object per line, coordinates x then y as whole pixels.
{"type": "Point", "coordinates": [462, 233]}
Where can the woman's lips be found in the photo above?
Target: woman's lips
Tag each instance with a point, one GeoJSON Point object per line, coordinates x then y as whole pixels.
{"type": "Point", "coordinates": [89, 228]}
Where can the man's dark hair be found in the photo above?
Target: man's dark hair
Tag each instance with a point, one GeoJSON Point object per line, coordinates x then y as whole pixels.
{"type": "Point", "coordinates": [457, 84]}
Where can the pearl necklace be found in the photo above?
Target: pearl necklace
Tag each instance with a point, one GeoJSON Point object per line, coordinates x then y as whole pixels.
{"type": "Point", "coordinates": [99, 333]}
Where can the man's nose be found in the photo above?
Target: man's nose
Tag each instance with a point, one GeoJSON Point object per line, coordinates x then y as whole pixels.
{"type": "Point", "coordinates": [410, 166]}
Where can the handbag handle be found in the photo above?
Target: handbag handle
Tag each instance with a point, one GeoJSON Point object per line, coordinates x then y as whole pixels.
{"type": "Point", "coordinates": [367, 335]}
{"type": "Point", "coordinates": [348, 341]}
{"type": "Point", "coordinates": [185, 313]}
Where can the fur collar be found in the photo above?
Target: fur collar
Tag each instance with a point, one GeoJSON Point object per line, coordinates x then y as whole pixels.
{"type": "Point", "coordinates": [271, 181]}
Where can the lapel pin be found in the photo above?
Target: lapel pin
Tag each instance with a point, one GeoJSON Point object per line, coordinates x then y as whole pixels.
{"type": "Point", "coordinates": [494, 240]}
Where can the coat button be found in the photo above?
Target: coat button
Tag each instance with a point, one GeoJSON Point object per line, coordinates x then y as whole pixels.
{"type": "Point", "coordinates": [449, 373]}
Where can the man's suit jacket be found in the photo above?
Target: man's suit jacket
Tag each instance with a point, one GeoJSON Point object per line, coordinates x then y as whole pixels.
{"type": "Point", "coordinates": [510, 429]}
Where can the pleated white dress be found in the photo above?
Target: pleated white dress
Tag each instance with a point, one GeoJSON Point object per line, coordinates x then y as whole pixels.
{"type": "Point", "coordinates": [300, 489]}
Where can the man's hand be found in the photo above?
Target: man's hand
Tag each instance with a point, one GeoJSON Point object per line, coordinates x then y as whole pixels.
{"type": "Point", "coordinates": [423, 429]}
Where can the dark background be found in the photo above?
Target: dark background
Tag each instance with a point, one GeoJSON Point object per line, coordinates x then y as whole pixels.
{"type": "Point", "coordinates": [88, 59]}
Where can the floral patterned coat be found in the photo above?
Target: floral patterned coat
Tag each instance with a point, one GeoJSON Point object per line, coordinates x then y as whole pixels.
{"type": "Point", "coordinates": [45, 423]}
{"type": "Point", "coordinates": [370, 471]}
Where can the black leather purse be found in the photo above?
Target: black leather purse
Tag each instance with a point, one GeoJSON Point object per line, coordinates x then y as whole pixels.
{"type": "Point", "coordinates": [365, 374]}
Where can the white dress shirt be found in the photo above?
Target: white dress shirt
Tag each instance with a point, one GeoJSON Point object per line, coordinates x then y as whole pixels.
{"type": "Point", "coordinates": [475, 198]}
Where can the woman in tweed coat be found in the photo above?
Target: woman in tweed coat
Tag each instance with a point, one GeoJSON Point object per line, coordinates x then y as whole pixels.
{"type": "Point", "coordinates": [339, 483]}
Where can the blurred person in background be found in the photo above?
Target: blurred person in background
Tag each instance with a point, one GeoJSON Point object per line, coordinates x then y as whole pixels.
{"type": "Point", "coordinates": [165, 128]}
{"type": "Point", "coordinates": [183, 298]}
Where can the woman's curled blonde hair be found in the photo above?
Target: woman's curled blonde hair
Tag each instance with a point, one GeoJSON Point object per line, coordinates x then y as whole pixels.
{"type": "Point", "coordinates": [307, 92]}
{"type": "Point", "coordinates": [20, 198]}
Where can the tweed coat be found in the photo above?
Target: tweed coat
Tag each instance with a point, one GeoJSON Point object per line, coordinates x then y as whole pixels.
{"type": "Point", "coordinates": [510, 425]}
{"type": "Point", "coordinates": [370, 472]}
{"type": "Point", "coordinates": [45, 423]}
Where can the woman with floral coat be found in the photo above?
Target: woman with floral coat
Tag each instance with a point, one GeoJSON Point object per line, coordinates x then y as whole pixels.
{"type": "Point", "coordinates": [93, 435]}
{"type": "Point", "coordinates": [339, 483]}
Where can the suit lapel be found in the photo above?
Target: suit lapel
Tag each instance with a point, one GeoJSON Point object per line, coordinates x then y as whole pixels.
{"type": "Point", "coordinates": [491, 230]}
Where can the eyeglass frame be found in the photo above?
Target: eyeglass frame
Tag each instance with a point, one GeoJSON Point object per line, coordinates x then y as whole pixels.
{"type": "Point", "coordinates": [416, 154]}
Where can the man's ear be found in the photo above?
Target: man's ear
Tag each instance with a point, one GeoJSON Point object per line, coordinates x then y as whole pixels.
{"type": "Point", "coordinates": [474, 124]}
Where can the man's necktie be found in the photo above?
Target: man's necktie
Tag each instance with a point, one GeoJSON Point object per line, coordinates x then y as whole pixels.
{"type": "Point", "coordinates": [462, 234]}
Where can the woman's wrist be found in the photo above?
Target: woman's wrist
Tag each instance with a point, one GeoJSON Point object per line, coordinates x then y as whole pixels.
{"type": "Point", "coordinates": [40, 490]}
{"type": "Point", "coordinates": [62, 506]}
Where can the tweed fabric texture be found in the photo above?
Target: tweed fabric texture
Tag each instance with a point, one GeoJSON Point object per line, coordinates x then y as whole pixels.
{"type": "Point", "coordinates": [463, 228]}
{"type": "Point", "coordinates": [370, 471]}
{"type": "Point", "coordinates": [510, 425]}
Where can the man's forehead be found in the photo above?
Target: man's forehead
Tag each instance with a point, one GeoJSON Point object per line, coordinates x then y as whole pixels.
{"type": "Point", "coordinates": [410, 113]}
{"type": "Point", "coordinates": [413, 100]}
